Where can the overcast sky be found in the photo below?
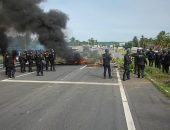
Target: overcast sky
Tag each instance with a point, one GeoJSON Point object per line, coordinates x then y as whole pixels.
{"type": "Point", "coordinates": [113, 20]}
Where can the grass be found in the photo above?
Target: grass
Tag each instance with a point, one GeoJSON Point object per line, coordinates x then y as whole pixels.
{"type": "Point", "coordinates": [159, 79]}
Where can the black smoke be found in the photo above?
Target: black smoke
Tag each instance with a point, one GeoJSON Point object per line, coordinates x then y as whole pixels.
{"type": "Point", "coordinates": [3, 40]}
{"type": "Point", "coordinates": [27, 16]}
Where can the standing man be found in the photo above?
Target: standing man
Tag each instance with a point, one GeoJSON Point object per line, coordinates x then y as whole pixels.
{"type": "Point", "coordinates": [52, 60]}
{"type": "Point", "coordinates": [141, 60]}
{"type": "Point", "coordinates": [46, 56]}
{"type": "Point", "coordinates": [23, 61]}
{"type": "Point", "coordinates": [39, 64]}
{"type": "Point", "coordinates": [158, 59]}
{"type": "Point", "coordinates": [30, 59]}
{"type": "Point", "coordinates": [10, 66]}
{"type": "Point", "coordinates": [106, 63]}
{"type": "Point", "coordinates": [5, 62]}
{"type": "Point", "coordinates": [167, 62]}
{"type": "Point", "coordinates": [151, 57]}
{"type": "Point", "coordinates": [135, 62]}
{"type": "Point", "coordinates": [163, 62]}
{"type": "Point", "coordinates": [127, 62]}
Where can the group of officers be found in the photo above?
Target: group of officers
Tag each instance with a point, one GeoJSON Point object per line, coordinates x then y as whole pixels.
{"type": "Point", "coordinates": [160, 58]}
{"type": "Point", "coordinates": [28, 59]}
{"type": "Point", "coordinates": [139, 59]}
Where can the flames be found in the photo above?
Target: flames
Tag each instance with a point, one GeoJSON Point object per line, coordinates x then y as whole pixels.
{"type": "Point", "coordinates": [80, 61]}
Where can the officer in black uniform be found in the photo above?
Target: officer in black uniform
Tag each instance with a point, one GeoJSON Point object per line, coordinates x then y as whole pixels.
{"type": "Point", "coordinates": [30, 59]}
{"type": "Point", "coordinates": [39, 64]}
{"type": "Point", "coordinates": [135, 62]}
{"type": "Point", "coordinates": [46, 56]}
{"type": "Point", "coordinates": [167, 62]}
{"type": "Point", "coordinates": [158, 59]}
{"type": "Point", "coordinates": [141, 60]}
{"type": "Point", "coordinates": [151, 57]}
{"type": "Point", "coordinates": [5, 62]}
{"type": "Point", "coordinates": [23, 60]}
{"type": "Point", "coordinates": [163, 62]}
{"type": "Point", "coordinates": [127, 62]}
{"type": "Point", "coordinates": [52, 60]}
{"type": "Point", "coordinates": [10, 66]}
{"type": "Point", "coordinates": [106, 63]}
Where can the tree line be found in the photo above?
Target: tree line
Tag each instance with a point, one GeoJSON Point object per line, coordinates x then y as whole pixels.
{"type": "Point", "coordinates": [162, 40]}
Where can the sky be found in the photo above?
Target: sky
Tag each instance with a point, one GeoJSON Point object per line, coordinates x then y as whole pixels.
{"type": "Point", "coordinates": [113, 20]}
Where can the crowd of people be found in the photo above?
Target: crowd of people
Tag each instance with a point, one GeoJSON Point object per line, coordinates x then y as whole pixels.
{"type": "Point", "coordinates": [41, 59]}
{"type": "Point", "coordinates": [159, 59]}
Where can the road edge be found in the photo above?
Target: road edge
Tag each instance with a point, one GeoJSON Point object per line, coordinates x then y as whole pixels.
{"type": "Point", "coordinates": [127, 112]}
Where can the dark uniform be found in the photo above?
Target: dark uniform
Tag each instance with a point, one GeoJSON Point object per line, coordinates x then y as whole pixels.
{"type": "Point", "coordinates": [163, 62]}
{"type": "Point", "coordinates": [39, 64]}
{"type": "Point", "coordinates": [141, 60]}
{"type": "Point", "coordinates": [106, 63]}
{"type": "Point", "coordinates": [135, 62]}
{"type": "Point", "coordinates": [5, 62]}
{"type": "Point", "coordinates": [151, 57]}
{"type": "Point", "coordinates": [167, 62]}
{"type": "Point", "coordinates": [23, 61]}
{"type": "Point", "coordinates": [10, 66]}
{"type": "Point", "coordinates": [52, 60]}
{"type": "Point", "coordinates": [127, 62]}
{"type": "Point", "coordinates": [30, 59]}
{"type": "Point", "coordinates": [158, 60]}
{"type": "Point", "coordinates": [47, 61]}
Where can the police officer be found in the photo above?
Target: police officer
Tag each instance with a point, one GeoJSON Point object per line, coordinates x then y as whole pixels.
{"type": "Point", "coordinates": [5, 61]}
{"type": "Point", "coordinates": [127, 62]}
{"type": "Point", "coordinates": [23, 60]}
{"type": "Point", "coordinates": [158, 59]}
{"type": "Point", "coordinates": [167, 62]}
{"type": "Point", "coordinates": [46, 56]}
{"type": "Point", "coordinates": [52, 60]}
{"type": "Point", "coordinates": [30, 59]}
{"type": "Point", "coordinates": [141, 60]}
{"type": "Point", "coordinates": [163, 62]}
{"type": "Point", "coordinates": [135, 62]}
{"type": "Point", "coordinates": [106, 63]}
{"type": "Point", "coordinates": [10, 66]}
{"type": "Point", "coordinates": [151, 57]}
{"type": "Point", "coordinates": [39, 64]}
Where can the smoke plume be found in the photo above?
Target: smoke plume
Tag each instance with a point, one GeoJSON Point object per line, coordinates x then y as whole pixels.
{"type": "Point", "coordinates": [27, 16]}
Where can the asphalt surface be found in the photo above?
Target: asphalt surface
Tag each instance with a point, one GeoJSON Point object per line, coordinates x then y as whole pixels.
{"type": "Point", "coordinates": [78, 98]}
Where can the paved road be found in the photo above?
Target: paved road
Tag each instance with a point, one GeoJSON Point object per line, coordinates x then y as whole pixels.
{"type": "Point", "coordinates": [78, 98]}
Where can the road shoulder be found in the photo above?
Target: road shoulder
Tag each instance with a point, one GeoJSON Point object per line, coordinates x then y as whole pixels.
{"type": "Point", "coordinates": [150, 108]}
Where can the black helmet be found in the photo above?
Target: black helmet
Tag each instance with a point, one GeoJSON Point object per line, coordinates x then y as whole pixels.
{"type": "Point", "coordinates": [106, 50]}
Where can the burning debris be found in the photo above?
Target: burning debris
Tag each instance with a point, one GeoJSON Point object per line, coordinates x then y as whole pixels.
{"type": "Point", "coordinates": [27, 16]}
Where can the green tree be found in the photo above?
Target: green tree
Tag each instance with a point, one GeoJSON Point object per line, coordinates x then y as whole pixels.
{"type": "Point", "coordinates": [162, 39]}
{"type": "Point", "coordinates": [142, 42]}
{"type": "Point", "coordinates": [135, 41]}
{"type": "Point", "coordinates": [129, 44]}
{"type": "Point", "coordinates": [73, 40]}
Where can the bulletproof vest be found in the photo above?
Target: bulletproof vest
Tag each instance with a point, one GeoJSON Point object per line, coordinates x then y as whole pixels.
{"type": "Point", "coordinates": [151, 55]}
{"type": "Point", "coordinates": [127, 59]}
{"type": "Point", "coordinates": [106, 59]}
{"type": "Point", "coordinates": [141, 59]}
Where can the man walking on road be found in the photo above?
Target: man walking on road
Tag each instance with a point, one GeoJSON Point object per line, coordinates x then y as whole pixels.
{"type": "Point", "coordinates": [106, 63]}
